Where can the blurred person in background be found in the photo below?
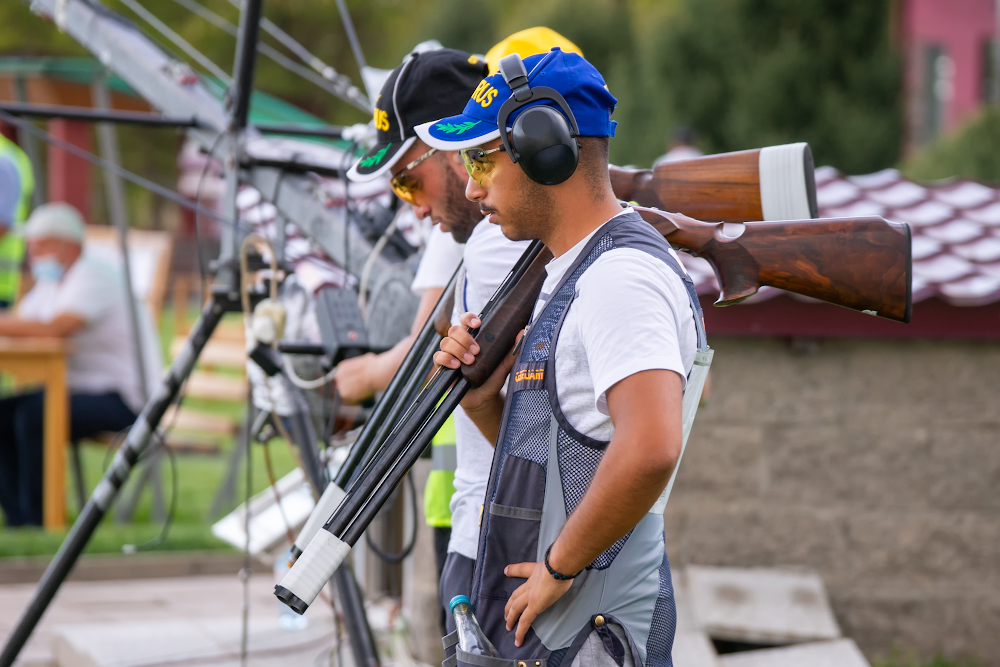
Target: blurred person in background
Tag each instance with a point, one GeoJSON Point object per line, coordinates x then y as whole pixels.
{"type": "Point", "coordinates": [680, 146]}
{"type": "Point", "coordinates": [12, 245]}
{"type": "Point", "coordinates": [79, 298]}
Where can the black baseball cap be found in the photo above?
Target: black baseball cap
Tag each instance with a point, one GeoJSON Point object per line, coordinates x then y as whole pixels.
{"type": "Point", "coordinates": [427, 86]}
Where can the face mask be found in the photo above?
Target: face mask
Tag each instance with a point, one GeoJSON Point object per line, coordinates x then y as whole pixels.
{"type": "Point", "coordinates": [46, 269]}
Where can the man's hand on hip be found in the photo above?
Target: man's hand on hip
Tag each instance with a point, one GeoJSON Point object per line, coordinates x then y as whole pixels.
{"type": "Point", "coordinates": [532, 597]}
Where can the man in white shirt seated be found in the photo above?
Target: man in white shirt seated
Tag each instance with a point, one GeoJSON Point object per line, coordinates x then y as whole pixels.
{"type": "Point", "coordinates": [82, 299]}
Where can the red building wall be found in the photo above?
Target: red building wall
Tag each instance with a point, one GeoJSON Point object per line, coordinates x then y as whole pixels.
{"type": "Point", "coordinates": [961, 28]}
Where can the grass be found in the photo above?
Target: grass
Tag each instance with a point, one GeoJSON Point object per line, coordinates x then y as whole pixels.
{"type": "Point", "coordinates": [900, 659]}
{"type": "Point", "coordinates": [198, 479]}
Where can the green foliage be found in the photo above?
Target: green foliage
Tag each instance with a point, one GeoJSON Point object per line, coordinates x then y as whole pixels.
{"type": "Point", "coordinates": [971, 152]}
{"type": "Point", "coordinates": [748, 73]}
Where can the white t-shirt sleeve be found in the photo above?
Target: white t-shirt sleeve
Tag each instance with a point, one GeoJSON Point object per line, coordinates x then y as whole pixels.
{"type": "Point", "coordinates": [89, 291]}
{"type": "Point", "coordinates": [441, 257]}
{"type": "Point", "coordinates": [640, 323]}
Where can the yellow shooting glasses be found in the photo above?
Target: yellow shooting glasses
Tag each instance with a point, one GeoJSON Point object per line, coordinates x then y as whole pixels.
{"type": "Point", "coordinates": [404, 185]}
{"type": "Point", "coordinates": [478, 164]}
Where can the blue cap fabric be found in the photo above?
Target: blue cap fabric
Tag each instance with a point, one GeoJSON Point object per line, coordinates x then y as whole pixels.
{"type": "Point", "coordinates": [10, 191]}
{"type": "Point", "coordinates": [569, 74]}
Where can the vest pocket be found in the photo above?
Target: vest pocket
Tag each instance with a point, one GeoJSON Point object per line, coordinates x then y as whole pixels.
{"type": "Point", "coordinates": [512, 532]}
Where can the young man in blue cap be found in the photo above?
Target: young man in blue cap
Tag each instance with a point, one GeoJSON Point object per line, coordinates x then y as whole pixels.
{"type": "Point", "coordinates": [571, 565]}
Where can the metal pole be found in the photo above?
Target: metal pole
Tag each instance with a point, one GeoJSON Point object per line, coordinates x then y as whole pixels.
{"type": "Point", "coordinates": [246, 62]}
{"type": "Point", "coordinates": [90, 115]}
{"type": "Point", "coordinates": [107, 137]}
{"type": "Point", "coordinates": [352, 37]}
{"type": "Point", "coordinates": [351, 601]}
{"type": "Point", "coordinates": [136, 443]}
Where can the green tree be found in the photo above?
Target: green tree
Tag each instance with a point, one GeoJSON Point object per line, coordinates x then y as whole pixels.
{"type": "Point", "coordinates": [971, 152]}
{"type": "Point", "coordinates": [748, 73]}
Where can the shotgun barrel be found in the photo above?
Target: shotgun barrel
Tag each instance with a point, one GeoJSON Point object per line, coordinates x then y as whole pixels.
{"type": "Point", "coordinates": [772, 183]}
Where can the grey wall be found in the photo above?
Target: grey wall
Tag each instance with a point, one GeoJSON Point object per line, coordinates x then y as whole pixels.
{"type": "Point", "coordinates": [876, 463]}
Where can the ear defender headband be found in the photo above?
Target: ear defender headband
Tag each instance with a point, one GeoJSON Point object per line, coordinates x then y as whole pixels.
{"type": "Point", "coordinates": [541, 141]}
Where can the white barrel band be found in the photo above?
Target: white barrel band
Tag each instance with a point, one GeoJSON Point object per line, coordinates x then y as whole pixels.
{"type": "Point", "coordinates": [316, 566]}
{"type": "Point", "coordinates": [327, 505]}
{"type": "Point", "coordinates": [783, 191]}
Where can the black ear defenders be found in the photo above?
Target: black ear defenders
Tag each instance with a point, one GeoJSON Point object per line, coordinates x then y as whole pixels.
{"type": "Point", "coordinates": [541, 141]}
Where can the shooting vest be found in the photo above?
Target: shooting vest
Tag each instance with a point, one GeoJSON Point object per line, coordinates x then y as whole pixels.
{"type": "Point", "coordinates": [12, 244]}
{"type": "Point", "coordinates": [441, 482]}
{"type": "Point", "coordinates": [542, 468]}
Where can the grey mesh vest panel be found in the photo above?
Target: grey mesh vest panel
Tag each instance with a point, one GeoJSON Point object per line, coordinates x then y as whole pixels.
{"type": "Point", "coordinates": [542, 466]}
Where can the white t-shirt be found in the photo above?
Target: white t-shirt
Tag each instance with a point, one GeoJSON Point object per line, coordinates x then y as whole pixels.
{"type": "Point", "coordinates": [488, 258]}
{"type": "Point", "coordinates": [442, 253]}
{"type": "Point", "coordinates": [102, 355]}
{"type": "Point", "coordinates": [631, 313]}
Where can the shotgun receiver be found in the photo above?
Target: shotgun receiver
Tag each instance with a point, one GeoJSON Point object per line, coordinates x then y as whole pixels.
{"type": "Point", "coordinates": [772, 183]}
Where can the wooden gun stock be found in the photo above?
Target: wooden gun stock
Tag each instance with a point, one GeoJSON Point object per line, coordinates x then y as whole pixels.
{"type": "Point", "coordinates": [860, 263]}
{"type": "Point", "coordinates": [773, 183]}
{"type": "Point", "coordinates": [497, 334]}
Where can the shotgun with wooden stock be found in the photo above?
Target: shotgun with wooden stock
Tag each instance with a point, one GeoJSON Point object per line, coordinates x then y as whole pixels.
{"type": "Point", "coordinates": [861, 263]}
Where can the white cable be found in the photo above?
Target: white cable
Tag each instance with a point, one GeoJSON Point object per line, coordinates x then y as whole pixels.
{"type": "Point", "coordinates": [179, 41]}
{"type": "Point", "coordinates": [341, 87]}
{"type": "Point", "coordinates": [302, 383]}
{"type": "Point", "coordinates": [369, 263]}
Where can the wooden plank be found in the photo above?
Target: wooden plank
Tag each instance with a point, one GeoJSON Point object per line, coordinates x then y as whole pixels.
{"type": "Point", "coordinates": [193, 420]}
{"type": "Point", "coordinates": [217, 354]}
{"type": "Point", "coordinates": [215, 386]}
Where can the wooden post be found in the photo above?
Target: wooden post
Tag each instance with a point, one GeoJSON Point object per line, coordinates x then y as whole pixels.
{"type": "Point", "coordinates": [69, 175]}
{"type": "Point", "coordinates": [56, 437]}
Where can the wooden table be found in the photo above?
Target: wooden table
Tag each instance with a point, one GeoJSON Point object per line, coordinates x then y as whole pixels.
{"type": "Point", "coordinates": [44, 360]}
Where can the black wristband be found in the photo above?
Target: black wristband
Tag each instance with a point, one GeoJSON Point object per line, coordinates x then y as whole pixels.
{"type": "Point", "coordinates": [556, 575]}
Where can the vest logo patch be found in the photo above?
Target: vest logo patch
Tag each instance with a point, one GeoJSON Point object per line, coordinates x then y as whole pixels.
{"type": "Point", "coordinates": [530, 376]}
{"type": "Point", "coordinates": [484, 93]}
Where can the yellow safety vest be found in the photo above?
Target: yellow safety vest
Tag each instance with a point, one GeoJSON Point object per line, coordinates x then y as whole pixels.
{"type": "Point", "coordinates": [12, 244]}
{"type": "Point", "coordinates": [441, 482]}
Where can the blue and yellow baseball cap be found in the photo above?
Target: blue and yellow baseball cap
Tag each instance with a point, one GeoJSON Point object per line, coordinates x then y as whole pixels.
{"type": "Point", "coordinates": [569, 74]}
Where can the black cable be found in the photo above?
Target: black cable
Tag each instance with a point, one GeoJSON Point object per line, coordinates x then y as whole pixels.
{"type": "Point", "coordinates": [114, 169]}
{"type": "Point", "coordinates": [197, 235]}
{"type": "Point", "coordinates": [408, 549]}
{"type": "Point", "coordinates": [345, 160]}
{"type": "Point", "coordinates": [160, 539]}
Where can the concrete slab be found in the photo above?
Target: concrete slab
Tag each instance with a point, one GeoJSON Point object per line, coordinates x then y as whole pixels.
{"type": "Point", "coordinates": [189, 642]}
{"type": "Point", "coordinates": [693, 649]}
{"type": "Point", "coordinates": [762, 606]}
{"type": "Point", "coordinates": [150, 600]}
{"type": "Point", "coordinates": [836, 653]}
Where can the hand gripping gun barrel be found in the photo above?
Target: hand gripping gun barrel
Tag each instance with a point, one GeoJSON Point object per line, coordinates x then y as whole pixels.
{"type": "Point", "coordinates": [859, 263]}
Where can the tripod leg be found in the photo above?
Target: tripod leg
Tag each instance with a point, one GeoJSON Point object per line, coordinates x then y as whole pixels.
{"type": "Point", "coordinates": [356, 621]}
{"type": "Point", "coordinates": [136, 443]}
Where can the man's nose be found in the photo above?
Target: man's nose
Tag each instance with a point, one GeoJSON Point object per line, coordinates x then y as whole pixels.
{"type": "Point", "coordinates": [421, 210]}
{"type": "Point", "coordinates": [474, 191]}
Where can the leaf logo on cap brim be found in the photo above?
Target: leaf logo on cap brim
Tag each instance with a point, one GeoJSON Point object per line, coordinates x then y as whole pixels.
{"type": "Point", "coordinates": [452, 128]}
{"type": "Point", "coordinates": [374, 159]}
